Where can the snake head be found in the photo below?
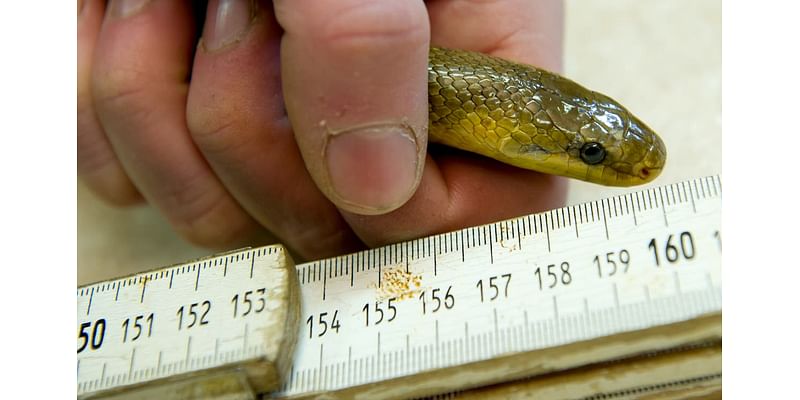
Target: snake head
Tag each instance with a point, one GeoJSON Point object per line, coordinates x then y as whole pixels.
{"type": "Point", "coordinates": [616, 148]}
{"type": "Point", "coordinates": [587, 136]}
{"type": "Point", "coordinates": [535, 119]}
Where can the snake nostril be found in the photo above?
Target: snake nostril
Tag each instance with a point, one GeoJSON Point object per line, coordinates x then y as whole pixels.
{"type": "Point", "coordinates": [644, 173]}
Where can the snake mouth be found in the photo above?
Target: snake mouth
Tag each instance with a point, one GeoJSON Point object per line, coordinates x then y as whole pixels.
{"type": "Point", "coordinates": [647, 174]}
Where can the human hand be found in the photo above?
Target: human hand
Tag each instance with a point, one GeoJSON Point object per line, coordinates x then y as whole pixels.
{"type": "Point", "coordinates": [201, 130]}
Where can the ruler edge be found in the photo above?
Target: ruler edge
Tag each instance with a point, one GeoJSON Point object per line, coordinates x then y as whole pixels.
{"type": "Point", "coordinates": [279, 248]}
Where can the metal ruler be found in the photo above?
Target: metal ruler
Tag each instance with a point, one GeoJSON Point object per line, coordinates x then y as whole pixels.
{"type": "Point", "coordinates": [487, 304]}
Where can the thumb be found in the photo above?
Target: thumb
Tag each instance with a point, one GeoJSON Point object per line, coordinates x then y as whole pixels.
{"type": "Point", "coordinates": [355, 88]}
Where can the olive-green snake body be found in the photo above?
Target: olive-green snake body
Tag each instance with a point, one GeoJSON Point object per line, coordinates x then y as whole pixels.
{"type": "Point", "coordinates": [538, 120]}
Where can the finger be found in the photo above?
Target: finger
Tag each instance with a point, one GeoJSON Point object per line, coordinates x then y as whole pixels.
{"type": "Point", "coordinates": [354, 75]}
{"type": "Point", "coordinates": [237, 119]}
{"type": "Point", "coordinates": [525, 31]}
{"type": "Point", "coordinates": [98, 166]}
{"type": "Point", "coordinates": [139, 80]}
{"type": "Point", "coordinates": [461, 189]}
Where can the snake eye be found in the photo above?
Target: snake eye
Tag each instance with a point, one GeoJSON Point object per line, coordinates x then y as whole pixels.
{"type": "Point", "coordinates": [593, 153]}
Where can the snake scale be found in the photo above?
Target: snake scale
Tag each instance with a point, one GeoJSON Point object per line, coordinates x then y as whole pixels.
{"type": "Point", "coordinates": [535, 119]}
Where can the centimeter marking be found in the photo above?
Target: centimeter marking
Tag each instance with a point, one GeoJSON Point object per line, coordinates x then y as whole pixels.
{"type": "Point", "coordinates": [636, 260]}
{"type": "Point", "coordinates": [526, 314]}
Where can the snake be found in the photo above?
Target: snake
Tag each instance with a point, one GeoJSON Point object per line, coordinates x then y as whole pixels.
{"type": "Point", "coordinates": [535, 119]}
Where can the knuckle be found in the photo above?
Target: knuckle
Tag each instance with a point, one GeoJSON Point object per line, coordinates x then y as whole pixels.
{"type": "Point", "coordinates": [214, 133]}
{"type": "Point", "coordinates": [117, 192]}
{"type": "Point", "coordinates": [110, 183]}
{"type": "Point", "coordinates": [207, 218]}
{"type": "Point", "coordinates": [118, 89]}
{"type": "Point", "coordinates": [100, 170]}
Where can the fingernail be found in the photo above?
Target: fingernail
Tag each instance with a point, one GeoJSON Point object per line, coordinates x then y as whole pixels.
{"type": "Point", "coordinates": [228, 24]}
{"type": "Point", "coordinates": [373, 169]}
{"type": "Point", "coordinates": [126, 8]}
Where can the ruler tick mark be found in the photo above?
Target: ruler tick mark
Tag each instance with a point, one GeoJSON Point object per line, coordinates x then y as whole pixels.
{"type": "Point", "coordinates": [489, 242]}
{"type": "Point", "coordinates": [319, 376]}
{"type": "Point", "coordinates": [663, 206]}
{"type": "Point", "coordinates": [324, 285]}
{"type": "Point", "coordinates": [672, 194]}
{"type": "Point", "coordinates": [144, 286]}
{"type": "Point", "coordinates": [690, 195]}
{"type": "Point", "coordinates": [252, 264]}
{"type": "Point", "coordinates": [461, 235]}
{"type": "Point", "coordinates": [197, 280]}
{"type": "Point", "coordinates": [350, 362]}
{"type": "Point", "coordinates": [547, 233]}
{"type": "Point", "coordinates": [496, 329]}
{"type": "Point", "coordinates": [378, 354]}
{"type": "Point", "coordinates": [116, 295]}
{"type": "Point", "coordinates": [575, 217]}
{"type": "Point", "coordinates": [89, 307]}
{"type": "Point", "coordinates": [130, 365]}
{"type": "Point", "coordinates": [555, 307]}
{"type": "Point", "coordinates": [352, 273]}
{"type": "Point", "coordinates": [435, 271]}
{"type": "Point", "coordinates": [605, 223]}
{"type": "Point", "coordinates": [466, 337]}
{"type": "Point", "coordinates": [171, 274]}
{"type": "Point", "coordinates": [436, 329]}
{"type": "Point", "coordinates": [188, 349]}
{"type": "Point", "coordinates": [527, 325]}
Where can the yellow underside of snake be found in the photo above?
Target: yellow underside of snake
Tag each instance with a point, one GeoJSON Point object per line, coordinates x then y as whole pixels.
{"type": "Point", "coordinates": [535, 119]}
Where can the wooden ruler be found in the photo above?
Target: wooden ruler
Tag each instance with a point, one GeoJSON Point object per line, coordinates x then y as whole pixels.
{"type": "Point", "coordinates": [570, 289]}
